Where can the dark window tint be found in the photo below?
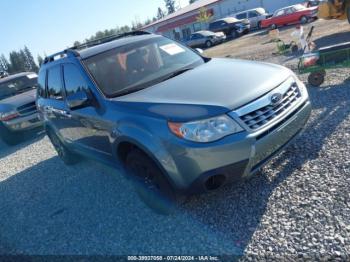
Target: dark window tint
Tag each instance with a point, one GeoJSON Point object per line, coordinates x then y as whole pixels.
{"type": "Point", "coordinates": [41, 83]}
{"type": "Point", "coordinates": [73, 79]}
{"type": "Point", "coordinates": [253, 14]}
{"type": "Point", "coordinates": [241, 16]}
{"type": "Point", "coordinates": [216, 24]}
{"type": "Point", "coordinates": [54, 83]}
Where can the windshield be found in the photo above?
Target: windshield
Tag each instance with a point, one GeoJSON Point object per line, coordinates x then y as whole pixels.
{"type": "Point", "coordinates": [136, 66]}
{"type": "Point", "coordinates": [18, 85]}
{"type": "Point", "coordinates": [299, 7]}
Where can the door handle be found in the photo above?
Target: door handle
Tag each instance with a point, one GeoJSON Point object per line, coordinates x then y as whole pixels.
{"type": "Point", "coordinates": [62, 113]}
{"type": "Point", "coordinates": [48, 109]}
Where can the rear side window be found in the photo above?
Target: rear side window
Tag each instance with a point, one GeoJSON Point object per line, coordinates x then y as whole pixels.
{"type": "Point", "coordinates": [41, 84]}
{"type": "Point", "coordinates": [54, 83]}
{"type": "Point", "coordinates": [241, 16]}
{"type": "Point", "coordinates": [214, 25]}
{"type": "Point", "coordinates": [253, 14]}
{"type": "Point", "coordinates": [73, 79]}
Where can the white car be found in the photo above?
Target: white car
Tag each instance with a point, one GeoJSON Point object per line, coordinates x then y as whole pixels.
{"type": "Point", "coordinates": [255, 16]}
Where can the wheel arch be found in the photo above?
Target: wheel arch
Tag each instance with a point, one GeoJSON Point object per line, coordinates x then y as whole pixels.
{"type": "Point", "coordinates": [124, 144]}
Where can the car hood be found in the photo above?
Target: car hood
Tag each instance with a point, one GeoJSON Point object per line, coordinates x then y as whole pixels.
{"type": "Point", "coordinates": [228, 83]}
{"type": "Point", "coordinates": [17, 100]}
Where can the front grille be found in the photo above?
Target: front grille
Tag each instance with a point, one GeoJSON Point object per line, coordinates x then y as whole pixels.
{"type": "Point", "coordinates": [262, 116]}
{"type": "Point", "coordinates": [27, 109]}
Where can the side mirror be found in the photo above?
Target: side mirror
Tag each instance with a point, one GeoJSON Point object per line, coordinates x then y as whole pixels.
{"type": "Point", "coordinates": [78, 100]}
{"type": "Point", "coordinates": [199, 51]}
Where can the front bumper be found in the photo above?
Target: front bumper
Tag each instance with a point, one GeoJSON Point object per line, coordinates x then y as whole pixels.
{"type": "Point", "coordinates": [23, 123]}
{"type": "Point", "coordinates": [234, 157]}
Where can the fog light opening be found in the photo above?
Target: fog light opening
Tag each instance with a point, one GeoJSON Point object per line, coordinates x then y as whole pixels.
{"type": "Point", "coordinates": [214, 182]}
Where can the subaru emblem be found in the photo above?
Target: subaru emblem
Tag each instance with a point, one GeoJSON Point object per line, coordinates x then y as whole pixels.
{"type": "Point", "coordinates": [276, 98]}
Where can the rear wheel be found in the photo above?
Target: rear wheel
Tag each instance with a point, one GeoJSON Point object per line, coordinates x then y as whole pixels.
{"type": "Point", "coordinates": [317, 78]}
{"type": "Point", "coordinates": [273, 26]}
{"type": "Point", "coordinates": [150, 183]}
{"type": "Point", "coordinates": [68, 157]}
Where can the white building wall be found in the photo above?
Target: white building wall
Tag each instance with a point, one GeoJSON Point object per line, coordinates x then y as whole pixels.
{"type": "Point", "coordinates": [225, 8]}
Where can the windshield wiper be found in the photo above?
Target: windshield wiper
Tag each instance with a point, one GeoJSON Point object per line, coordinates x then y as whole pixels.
{"type": "Point", "coordinates": [176, 73]}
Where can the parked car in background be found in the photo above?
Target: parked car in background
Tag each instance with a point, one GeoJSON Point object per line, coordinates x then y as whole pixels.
{"type": "Point", "coordinates": [205, 39]}
{"type": "Point", "coordinates": [179, 123]}
{"type": "Point", "coordinates": [312, 3]}
{"type": "Point", "coordinates": [18, 112]}
{"type": "Point", "coordinates": [255, 16]}
{"type": "Point", "coordinates": [290, 15]}
{"type": "Point", "coordinates": [232, 27]}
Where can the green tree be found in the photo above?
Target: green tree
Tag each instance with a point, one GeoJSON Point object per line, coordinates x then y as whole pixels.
{"type": "Point", "coordinates": [170, 5]}
{"type": "Point", "coordinates": [204, 16]}
{"type": "Point", "coordinates": [40, 60]}
{"type": "Point", "coordinates": [29, 60]}
{"type": "Point", "coordinates": [4, 63]}
{"type": "Point", "coordinates": [160, 13]}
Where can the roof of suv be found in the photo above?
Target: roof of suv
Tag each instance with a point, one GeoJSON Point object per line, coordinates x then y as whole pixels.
{"type": "Point", "coordinates": [14, 76]}
{"type": "Point", "coordinates": [100, 48]}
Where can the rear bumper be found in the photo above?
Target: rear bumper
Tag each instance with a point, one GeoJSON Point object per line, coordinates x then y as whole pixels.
{"type": "Point", "coordinates": [23, 123]}
{"type": "Point", "coordinates": [235, 157]}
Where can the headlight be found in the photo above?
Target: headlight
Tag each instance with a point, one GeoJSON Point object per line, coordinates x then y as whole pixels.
{"type": "Point", "coordinates": [207, 130]}
{"type": "Point", "coordinates": [8, 115]}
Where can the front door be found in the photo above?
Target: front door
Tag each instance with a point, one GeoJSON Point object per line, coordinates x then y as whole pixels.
{"type": "Point", "coordinates": [85, 127]}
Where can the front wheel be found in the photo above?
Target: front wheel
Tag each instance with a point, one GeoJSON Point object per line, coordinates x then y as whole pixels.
{"type": "Point", "coordinates": [68, 157]}
{"type": "Point", "coordinates": [208, 44]}
{"type": "Point", "coordinates": [273, 27]}
{"type": "Point", "coordinates": [9, 137]}
{"type": "Point", "coordinates": [150, 184]}
{"type": "Point", "coordinates": [234, 34]}
{"type": "Point", "coordinates": [304, 20]}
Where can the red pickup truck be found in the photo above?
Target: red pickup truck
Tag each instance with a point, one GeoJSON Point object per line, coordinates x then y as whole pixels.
{"type": "Point", "coordinates": [290, 15]}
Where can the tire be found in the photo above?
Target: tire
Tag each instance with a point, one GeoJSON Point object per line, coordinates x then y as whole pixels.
{"type": "Point", "coordinates": [234, 34]}
{"type": "Point", "coordinates": [316, 78]}
{"type": "Point", "coordinates": [9, 137]}
{"type": "Point", "coordinates": [259, 25]}
{"type": "Point", "coordinates": [273, 26]}
{"type": "Point", "coordinates": [304, 20]}
{"type": "Point", "coordinates": [208, 44]}
{"type": "Point", "coordinates": [150, 183]}
{"type": "Point", "coordinates": [67, 156]}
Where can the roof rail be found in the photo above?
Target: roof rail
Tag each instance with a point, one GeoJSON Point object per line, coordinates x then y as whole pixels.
{"type": "Point", "coordinates": [107, 39]}
{"type": "Point", "coordinates": [64, 53]}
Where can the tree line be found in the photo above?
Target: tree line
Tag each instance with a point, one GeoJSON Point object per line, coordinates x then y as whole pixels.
{"type": "Point", "coordinates": [23, 60]}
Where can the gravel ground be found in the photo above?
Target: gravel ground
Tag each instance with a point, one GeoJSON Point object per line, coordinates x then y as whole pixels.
{"type": "Point", "coordinates": [298, 207]}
